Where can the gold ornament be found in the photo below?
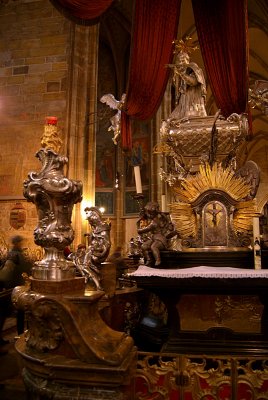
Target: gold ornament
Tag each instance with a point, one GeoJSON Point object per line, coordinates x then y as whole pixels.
{"type": "Point", "coordinates": [51, 138]}
{"type": "Point", "coordinates": [184, 46]}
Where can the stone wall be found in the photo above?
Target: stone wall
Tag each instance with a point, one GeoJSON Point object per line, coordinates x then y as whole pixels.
{"type": "Point", "coordinates": [34, 56]}
{"type": "Point", "coordinates": [48, 67]}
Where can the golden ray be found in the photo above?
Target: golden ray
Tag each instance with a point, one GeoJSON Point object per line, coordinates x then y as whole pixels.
{"type": "Point", "coordinates": [184, 46]}
{"type": "Point", "coordinates": [245, 211]}
{"type": "Point", "coordinates": [212, 178]}
{"type": "Point", "coordinates": [184, 219]}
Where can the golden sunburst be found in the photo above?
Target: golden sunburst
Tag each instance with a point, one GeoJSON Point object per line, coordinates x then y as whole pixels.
{"type": "Point", "coordinates": [212, 178]}
{"type": "Point", "coordinates": [184, 46]}
{"type": "Point", "coordinates": [215, 178]}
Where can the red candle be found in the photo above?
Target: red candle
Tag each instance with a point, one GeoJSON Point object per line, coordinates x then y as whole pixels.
{"type": "Point", "coordinates": [51, 120]}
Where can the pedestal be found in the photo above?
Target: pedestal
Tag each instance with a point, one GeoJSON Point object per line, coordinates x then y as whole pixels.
{"type": "Point", "coordinates": [68, 350]}
{"type": "Point", "coordinates": [50, 376]}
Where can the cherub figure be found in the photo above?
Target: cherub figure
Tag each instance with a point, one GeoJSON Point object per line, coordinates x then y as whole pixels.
{"type": "Point", "coordinates": [99, 243]}
{"type": "Point", "coordinates": [111, 101]}
{"type": "Point", "coordinates": [89, 261]}
{"type": "Point", "coordinates": [158, 229]}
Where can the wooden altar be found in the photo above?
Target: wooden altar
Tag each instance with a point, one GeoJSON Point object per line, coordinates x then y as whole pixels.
{"type": "Point", "coordinates": [215, 257]}
{"type": "Point", "coordinates": [210, 310]}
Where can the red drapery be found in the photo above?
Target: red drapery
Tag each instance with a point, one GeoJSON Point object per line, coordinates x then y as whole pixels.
{"type": "Point", "coordinates": [154, 28]}
{"type": "Point", "coordinates": [84, 9]}
{"type": "Point", "coordinates": [222, 28]}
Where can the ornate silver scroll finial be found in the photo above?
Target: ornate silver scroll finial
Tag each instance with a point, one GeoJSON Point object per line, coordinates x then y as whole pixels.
{"type": "Point", "coordinates": [54, 196]}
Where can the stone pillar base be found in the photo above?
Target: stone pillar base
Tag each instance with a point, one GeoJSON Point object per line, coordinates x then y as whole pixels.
{"type": "Point", "coordinates": [59, 378]}
{"type": "Point", "coordinates": [68, 351]}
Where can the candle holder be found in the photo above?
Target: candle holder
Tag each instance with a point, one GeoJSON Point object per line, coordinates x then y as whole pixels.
{"type": "Point", "coordinates": [139, 197]}
{"type": "Point", "coordinates": [54, 196]}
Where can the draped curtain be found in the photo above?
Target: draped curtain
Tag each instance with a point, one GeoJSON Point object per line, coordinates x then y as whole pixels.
{"type": "Point", "coordinates": [84, 9]}
{"type": "Point", "coordinates": [154, 28]}
{"type": "Point", "coordinates": [222, 28]}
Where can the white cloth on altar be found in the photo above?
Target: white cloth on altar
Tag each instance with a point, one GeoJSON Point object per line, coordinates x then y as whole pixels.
{"type": "Point", "coordinates": [200, 272]}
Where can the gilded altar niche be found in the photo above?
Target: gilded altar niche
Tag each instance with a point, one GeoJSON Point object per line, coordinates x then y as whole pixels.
{"type": "Point", "coordinates": [214, 208]}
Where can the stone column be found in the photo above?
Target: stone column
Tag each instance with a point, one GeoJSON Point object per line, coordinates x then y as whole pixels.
{"type": "Point", "coordinates": [81, 118]}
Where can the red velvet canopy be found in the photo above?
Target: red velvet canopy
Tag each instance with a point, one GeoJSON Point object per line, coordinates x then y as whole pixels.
{"type": "Point", "coordinates": [222, 28]}
{"type": "Point", "coordinates": [84, 9]}
{"type": "Point", "coordinates": [155, 27]}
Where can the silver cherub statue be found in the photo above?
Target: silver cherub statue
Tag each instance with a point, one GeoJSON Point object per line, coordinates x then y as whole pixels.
{"type": "Point", "coordinates": [98, 249]}
{"type": "Point", "coordinates": [156, 228]}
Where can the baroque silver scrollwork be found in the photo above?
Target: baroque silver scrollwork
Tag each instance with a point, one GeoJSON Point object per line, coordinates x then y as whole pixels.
{"type": "Point", "coordinates": [54, 196]}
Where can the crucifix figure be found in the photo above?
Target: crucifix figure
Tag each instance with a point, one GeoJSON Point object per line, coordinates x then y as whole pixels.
{"type": "Point", "coordinates": [214, 212]}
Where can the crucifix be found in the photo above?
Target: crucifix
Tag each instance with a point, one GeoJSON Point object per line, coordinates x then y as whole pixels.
{"type": "Point", "coordinates": [214, 212]}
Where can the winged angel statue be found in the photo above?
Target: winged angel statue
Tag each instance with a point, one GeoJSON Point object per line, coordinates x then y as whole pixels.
{"type": "Point", "coordinates": [111, 101]}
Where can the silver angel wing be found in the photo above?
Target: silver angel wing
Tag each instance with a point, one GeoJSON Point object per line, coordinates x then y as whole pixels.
{"type": "Point", "coordinates": [110, 100]}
